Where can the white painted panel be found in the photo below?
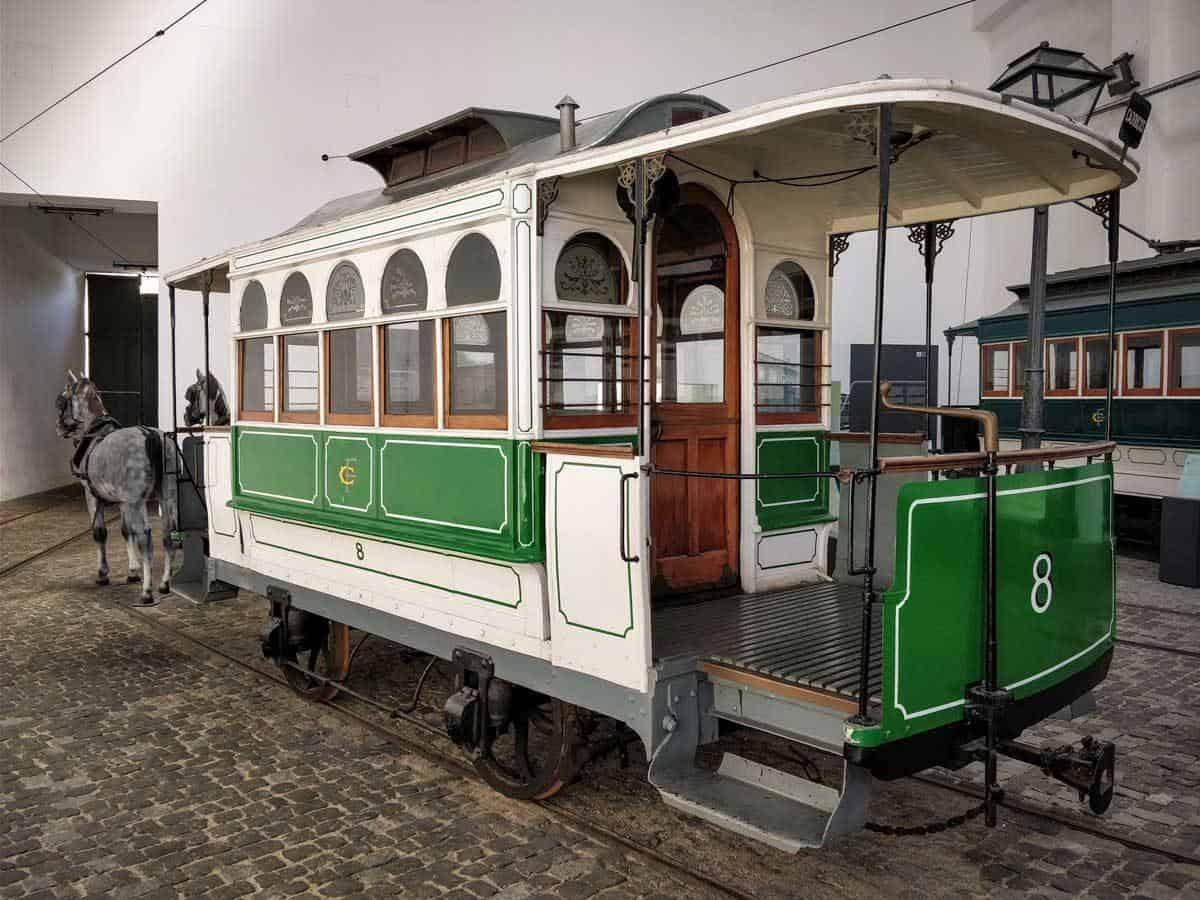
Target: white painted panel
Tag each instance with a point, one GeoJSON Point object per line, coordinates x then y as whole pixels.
{"type": "Point", "coordinates": [501, 603]}
{"type": "Point", "coordinates": [787, 548]}
{"type": "Point", "coordinates": [599, 609]}
{"type": "Point", "coordinates": [218, 484]}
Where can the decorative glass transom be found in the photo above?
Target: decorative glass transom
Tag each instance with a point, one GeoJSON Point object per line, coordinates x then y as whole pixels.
{"type": "Point", "coordinates": [473, 273]}
{"type": "Point", "coordinates": [472, 331]}
{"type": "Point", "coordinates": [703, 311]}
{"type": "Point", "coordinates": [295, 303]}
{"type": "Point", "coordinates": [404, 288]}
{"type": "Point", "coordinates": [790, 293]}
{"type": "Point", "coordinates": [254, 307]}
{"type": "Point", "coordinates": [344, 296]}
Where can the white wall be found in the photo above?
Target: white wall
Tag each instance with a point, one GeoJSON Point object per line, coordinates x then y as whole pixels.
{"type": "Point", "coordinates": [223, 121]}
{"type": "Point", "coordinates": [43, 260]}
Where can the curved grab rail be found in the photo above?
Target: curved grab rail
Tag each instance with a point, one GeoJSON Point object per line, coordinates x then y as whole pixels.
{"type": "Point", "coordinates": [989, 421]}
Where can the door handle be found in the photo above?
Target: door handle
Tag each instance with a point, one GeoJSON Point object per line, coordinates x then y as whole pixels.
{"type": "Point", "coordinates": [622, 536]}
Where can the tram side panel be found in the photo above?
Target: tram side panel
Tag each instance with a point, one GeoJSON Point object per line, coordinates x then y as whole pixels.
{"type": "Point", "coordinates": [1055, 606]}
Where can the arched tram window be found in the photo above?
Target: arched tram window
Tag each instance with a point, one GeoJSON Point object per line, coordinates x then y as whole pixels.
{"type": "Point", "coordinates": [473, 273]}
{"type": "Point", "coordinates": [587, 365]}
{"type": "Point", "coordinates": [254, 307]}
{"type": "Point", "coordinates": [789, 376]}
{"type": "Point", "coordinates": [403, 287]}
{"type": "Point", "coordinates": [349, 379]}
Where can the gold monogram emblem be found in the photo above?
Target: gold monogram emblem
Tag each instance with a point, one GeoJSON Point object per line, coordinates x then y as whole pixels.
{"type": "Point", "coordinates": [347, 474]}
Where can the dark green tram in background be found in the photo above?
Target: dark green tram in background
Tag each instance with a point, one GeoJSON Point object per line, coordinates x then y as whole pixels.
{"type": "Point", "coordinates": [1156, 379]}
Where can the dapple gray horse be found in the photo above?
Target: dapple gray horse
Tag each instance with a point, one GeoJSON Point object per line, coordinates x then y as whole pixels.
{"type": "Point", "coordinates": [119, 466]}
{"type": "Point", "coordinates": [200, 395]}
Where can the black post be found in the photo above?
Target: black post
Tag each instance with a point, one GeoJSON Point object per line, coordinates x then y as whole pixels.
{"type": "Point", "coordinates": [949, 367]}
{"type": "Point", "coordinates": [1035, 382]}
{"type": "Point", "coordinates": [1114, 251]}
{"type": "Point", "coordinates": [990, 667]}
{"type": "Point", "coordinates": [639, 267]}
{"type": "Point", "coordinates": [174, 401]}
{"type": "Point", "coordinates": [929, 251]}
{"type": "Point", "coordinates": [204, 294]}
{"type": "Point", "coordinates": [883, 138]}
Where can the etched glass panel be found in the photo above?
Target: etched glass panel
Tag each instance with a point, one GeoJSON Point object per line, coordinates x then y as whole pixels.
{"type": "Point", "coordinates": [590, 270]}
{"type": "Point", "coordinates": [295, 301]}
{"type": "Point", "coordinates": [404, 288]}
{"type": "Point", "coordinates": [473, 273]}
{"type": "Point", "coordinates": [690, 365]}
{"type": "Point", "coordinates": [478, 361]}
{"type": "Point", "coordinates": [254, 307]}
{"type": "Point", "coordinates": [344, 296]}
{"type": "Point", "coordinates": [789, 293]}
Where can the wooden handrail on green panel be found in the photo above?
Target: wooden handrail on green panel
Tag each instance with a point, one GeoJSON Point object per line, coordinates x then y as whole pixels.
{"type": "Point", "coordinates": [603, 451]}
{"type": "Point", "coordinates": [942, 461]}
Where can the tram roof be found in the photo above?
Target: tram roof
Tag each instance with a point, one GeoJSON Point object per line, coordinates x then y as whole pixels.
{"type": "Point", "coordinates": [963, 152]}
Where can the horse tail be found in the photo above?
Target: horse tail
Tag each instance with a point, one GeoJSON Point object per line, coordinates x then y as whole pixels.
{"type": "Point", "coordinates": [167, 472]}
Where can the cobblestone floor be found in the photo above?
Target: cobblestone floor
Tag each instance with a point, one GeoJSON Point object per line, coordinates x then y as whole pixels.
{"type": "Point", "coordinates": [133, 764]}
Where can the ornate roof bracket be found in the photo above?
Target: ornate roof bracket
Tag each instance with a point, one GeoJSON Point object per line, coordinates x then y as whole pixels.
{"type": "Point", "coordinates": [547, 193]}
{"type": "Point", "coordinates": [838, 244]}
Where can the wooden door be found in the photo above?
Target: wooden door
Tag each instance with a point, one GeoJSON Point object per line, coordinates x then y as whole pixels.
{"type": "Point", "coordinates": [694, 426]}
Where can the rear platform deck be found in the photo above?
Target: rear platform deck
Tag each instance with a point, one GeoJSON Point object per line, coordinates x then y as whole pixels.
{"type": "Point", "coordinates": [806, 637]}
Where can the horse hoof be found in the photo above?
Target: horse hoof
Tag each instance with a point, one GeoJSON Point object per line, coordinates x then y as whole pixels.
{"type": "Point", "coordinates": [132, 579]}
{"type": "Point", "coordinates": [164, 588]}
{"type": "Point", "coordinates": [148, 600]}
{"type": "Point", "coordinates": [101, 580]}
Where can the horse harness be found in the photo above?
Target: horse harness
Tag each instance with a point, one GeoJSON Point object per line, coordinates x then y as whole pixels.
{"type": "Point", "coordinates": [96, 433]}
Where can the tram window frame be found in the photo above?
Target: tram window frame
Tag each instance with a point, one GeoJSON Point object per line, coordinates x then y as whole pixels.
{"type": "Point", "coordinates": [1113, 363]}
{"type": "Point", "coordinates": [344, 418]}
{"type": "Point", "coordinates": [1127, 389]}
{"type": "Point", "coordinates": [818, 385]}
{"type": "Point", "coordinates": [430, 365]}
{"type": "Point", "coordinates": [561, 418]}
{"type": "Point", "coordinates": [257, 415]}
{"type": "Point", "coordinates": [483, 421]}
{"type": "Point", "coordinates": [1019, 360]}
{"type": "Point", "coordinates": [303, 417]}
{"type": "Point", "coordinates": [1172, 367]}
{"type": "Point", "coordinates": [986, 368]}
{"type": "Point", "coordinates": [1048, 381]}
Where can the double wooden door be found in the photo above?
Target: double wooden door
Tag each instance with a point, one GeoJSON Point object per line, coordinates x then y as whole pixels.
{"type": "Point", "coordinates": [695, 378]}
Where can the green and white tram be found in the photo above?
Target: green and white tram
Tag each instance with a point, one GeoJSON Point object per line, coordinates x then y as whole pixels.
{"type": "Point", "coordinates": [553, 404]}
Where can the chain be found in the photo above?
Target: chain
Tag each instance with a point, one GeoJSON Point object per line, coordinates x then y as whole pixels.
{"type": "Point", "coordinates": [932, 828]}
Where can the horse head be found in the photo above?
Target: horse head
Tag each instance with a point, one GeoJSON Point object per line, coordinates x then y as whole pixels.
{"type": "Point", "coordinates": [206, 394]}
{"type": "Point", "coordinates": [79, 405]}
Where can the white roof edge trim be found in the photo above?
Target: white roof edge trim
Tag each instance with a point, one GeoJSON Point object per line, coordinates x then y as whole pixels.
{"type": "Point", "coordinates": [203, 264]}
{"type": "Point", "coordinates": [871, 93]}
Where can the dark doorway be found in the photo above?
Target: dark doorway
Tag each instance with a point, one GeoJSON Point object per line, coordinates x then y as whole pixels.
{"type": "Point", "coordinates": [904, 366]}
{"type": "Point", "coordinates": [122, 339]}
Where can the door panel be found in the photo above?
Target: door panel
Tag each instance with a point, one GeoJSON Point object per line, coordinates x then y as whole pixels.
{"type": "Point", "coordinates": [694, 370]}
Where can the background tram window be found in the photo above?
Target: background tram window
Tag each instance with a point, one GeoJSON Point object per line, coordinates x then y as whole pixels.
{"type": "Point", "coordinates": [1143, 363]}
{"type": "Point", "coordinates": [300, 356]}
{"type": "Point", "coordinates": [995, 365]}
{"type": "Point", "coordinates": [258, 378]}
{"type": "Point", "coordinates": [587, 365]}
{"type": "Point", "coordinates": [1096, 363]}
{"type": "Point", "coordinates": [1063, 363]}
{"type": "Point", "coordinates": [787, 379]}
{"type": "Point", "coordinates": [477, 363]}
{"type": "Point", "coordinates": [408, 384]}
{"type": "Point", "coordinates": [1185, 362]}
{"type": "Point", "coordinates": [1020, 368]}
{"type": "Point", "coordinates": [350, 382]}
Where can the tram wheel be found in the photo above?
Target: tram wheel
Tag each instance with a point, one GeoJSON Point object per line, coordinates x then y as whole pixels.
{"type": "Point", "coordinates": [329, 659]}
{"type": "Point", "coordinates": [537, 753]}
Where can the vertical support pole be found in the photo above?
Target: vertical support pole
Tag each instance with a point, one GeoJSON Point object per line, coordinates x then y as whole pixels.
{"type": "Point", "coordinates": [990, 665]}
{"type": "Point", "coordinates": [207, 399]}
{"type": "Point", "coordinates": [174, 388]}
{"type": "Point", "coordinates": [1035, 383]}
{"type": "Point", "coordinates": [949, 367]}
{"type": "Point", "coordinates": [1114, 251]}
{"type": "Point", "coordinates": [639, 269]}
{"type": "Point", "coordinates": [883, 139]}
{"type": "Point", "coordinates": [929, 251]}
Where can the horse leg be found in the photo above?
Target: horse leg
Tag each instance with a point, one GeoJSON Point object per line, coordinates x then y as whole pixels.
{"type": "Point", "coordinates": [168, 518]}
{"type": "Point", "coordinates": [131, 551]}
{"type": "Point", "coordinates": [99, 536]}
{"type": "Point", "coordinates": [139, 524]}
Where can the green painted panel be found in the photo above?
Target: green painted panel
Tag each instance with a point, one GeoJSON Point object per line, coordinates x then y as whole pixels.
{"type": "Point", "coordinates": [1055, 583]}
{"type": "Point", "coordinates": [1167, 312]}
{"type": "Point", "coordinates": [280, 466]}
{"type": "Point", "coordinates": [482, 496]}
{"type": "Point", "coordinates": [465, 485]}
{"type": "Point", "coordinates": [349, 473]}
{"type": "Point", "coordinates": [1145, 421]}
{"type": "Point", "coordinates": [786, 502]}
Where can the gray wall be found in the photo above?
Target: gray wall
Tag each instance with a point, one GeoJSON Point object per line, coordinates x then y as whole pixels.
{"type": "Point", "coordinates": [43, 260]}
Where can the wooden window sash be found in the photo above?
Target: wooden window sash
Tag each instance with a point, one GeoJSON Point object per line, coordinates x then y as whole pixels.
{"type": "Point", "coordinates": [335, 418]}
{"type": "Point", "coordinates": [1127, 389]}
{"type": "Point", "coordinates": [298, 417]}
{"type": "Point", "coordinates": [1172, 369]}
{"type": "Point", "coordinates": [820, 389]}
{"type": "Point", "coordinates": [562, 421]}
{"type": "Point", "coordinates": [1049, 370]}
{"type": "Point", "coordinates": [253, 415]}
{"type": "Point", "coordinates": [1114, 358]}
{"type": "Point", "coordinates": [480, 421]}
{"type": "Point", "coordinates": [403, 420]}
{"type": "Point", "coordinates": [986, 369]}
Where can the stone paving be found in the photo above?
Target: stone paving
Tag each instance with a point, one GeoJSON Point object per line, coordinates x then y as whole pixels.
{"type": "Point", "coordinates": [131, 764]}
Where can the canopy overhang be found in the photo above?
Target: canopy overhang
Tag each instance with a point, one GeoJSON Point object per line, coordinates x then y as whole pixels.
{"type": "Point", "coordinates": [971, 153]}
{"type": "Point", "coordinates": [211, 273]}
